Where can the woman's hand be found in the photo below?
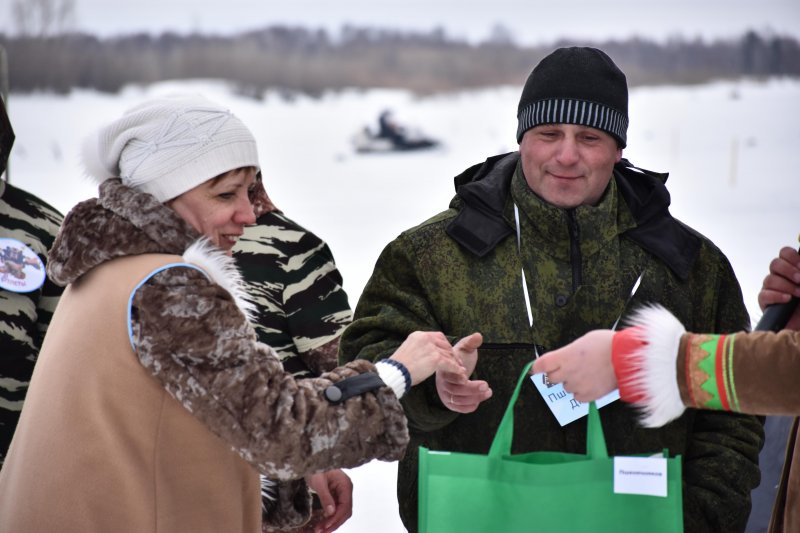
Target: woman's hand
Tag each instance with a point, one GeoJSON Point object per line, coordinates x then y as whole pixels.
{"type": "Point", "coordinates": [584, 366]}
{"type": "Point", "coordinates": [335, 491]}
{"type": "Point", "coordinates": [425, 352]}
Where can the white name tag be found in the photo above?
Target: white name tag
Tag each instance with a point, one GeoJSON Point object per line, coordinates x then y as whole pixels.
{"type": "Point", "coordinates": [563, 404]}
{"type": "Point", "coordinates": [640, 475]}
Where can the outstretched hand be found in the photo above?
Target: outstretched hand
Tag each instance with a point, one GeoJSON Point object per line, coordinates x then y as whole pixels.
{"type": "Point", "coordinates": [425, 352]}
{"type": "Point", "coordinates": [584, 366]}
{"type": "Point", "coordinates": [782, 283]}
{"type": "Point", "coordinates": [456, 391]}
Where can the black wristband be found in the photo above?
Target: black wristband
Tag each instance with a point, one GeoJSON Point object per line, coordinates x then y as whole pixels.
{"type": "Point", "coordinates": [353, 386]}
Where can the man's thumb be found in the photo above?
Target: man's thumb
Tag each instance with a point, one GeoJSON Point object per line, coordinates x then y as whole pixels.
{"type": "Point", "coordinates": [470, 342]}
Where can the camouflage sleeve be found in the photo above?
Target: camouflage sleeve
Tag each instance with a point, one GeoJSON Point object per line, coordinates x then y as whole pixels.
{"type": "Point", "coordinates": [292, 278]}
{"type": "Point", "coordinates": [24, 317]}
{"type": "Point", "coordinates": [392, 306]}
{"type": "Point", "coordinates": [721, 462]}
{"type": "Point", "coordinates": [190, 334]}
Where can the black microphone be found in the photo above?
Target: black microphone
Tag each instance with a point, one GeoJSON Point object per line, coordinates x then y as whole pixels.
{"type": "Point", "coordinates": [776, 316]}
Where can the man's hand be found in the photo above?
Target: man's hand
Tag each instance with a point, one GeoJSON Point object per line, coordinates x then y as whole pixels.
{"type": "Point", "coordinates": [782, 283]}
{"type": "Point", "coordinates": [456, 391]}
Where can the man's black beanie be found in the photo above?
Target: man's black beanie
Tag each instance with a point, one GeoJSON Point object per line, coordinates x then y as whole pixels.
{"type": "Point", "coordinates": [576, 86]}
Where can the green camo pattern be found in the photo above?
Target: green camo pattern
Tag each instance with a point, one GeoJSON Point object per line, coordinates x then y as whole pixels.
{"type": "Point", "coordinates": [424, 280]}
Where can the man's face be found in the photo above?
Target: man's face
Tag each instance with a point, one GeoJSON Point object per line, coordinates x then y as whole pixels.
{"type": "Point", "coordinates": [568, 165]}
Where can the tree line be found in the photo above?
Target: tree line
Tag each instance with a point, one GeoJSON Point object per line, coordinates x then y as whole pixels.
{"type": "Point", "coordinates": [311, 61]}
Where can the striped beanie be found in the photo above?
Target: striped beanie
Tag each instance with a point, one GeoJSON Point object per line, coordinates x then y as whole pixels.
{"type": "Point", "coordinates": [576, 86]}
{"type": "Point", "coordinates": [169, 145]}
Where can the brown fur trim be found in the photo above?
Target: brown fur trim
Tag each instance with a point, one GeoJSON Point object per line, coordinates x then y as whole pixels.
{"type": "Point", "coordinates": [121, 222]}
{"type": "Point", "coordinates": [291, 509]}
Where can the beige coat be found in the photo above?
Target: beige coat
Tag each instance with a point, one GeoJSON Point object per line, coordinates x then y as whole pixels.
{"type": "Point", "coordinates": [154, 408]}
{"type": "Point", "coordinates": [120, 454]}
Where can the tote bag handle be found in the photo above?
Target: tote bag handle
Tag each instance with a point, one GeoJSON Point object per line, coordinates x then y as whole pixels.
{"type": "Point", "coordinates": [501, 445]}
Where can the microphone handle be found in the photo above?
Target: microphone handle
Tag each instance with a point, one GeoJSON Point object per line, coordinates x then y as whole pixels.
{"type": "Point", "coordinates": [776, 316]}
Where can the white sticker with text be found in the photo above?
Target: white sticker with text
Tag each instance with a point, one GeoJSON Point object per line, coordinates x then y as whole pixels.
{"type": "Point", "coordinates": [640, 475]}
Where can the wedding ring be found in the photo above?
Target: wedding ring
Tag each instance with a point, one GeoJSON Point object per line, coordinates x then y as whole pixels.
{"type": "Point", "coordinates": [451, 400]}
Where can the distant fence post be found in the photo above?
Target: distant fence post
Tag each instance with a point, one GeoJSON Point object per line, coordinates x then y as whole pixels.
{"type": "Point", "coordinates": [734, 160]}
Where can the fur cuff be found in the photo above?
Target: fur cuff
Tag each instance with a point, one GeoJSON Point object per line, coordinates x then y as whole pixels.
{"type": "Point", "coordinates": [222, 270]}
{"type": "Point", "coordinates": [290, 509]}
{"type": "Point", "coordinates": [656, 375]}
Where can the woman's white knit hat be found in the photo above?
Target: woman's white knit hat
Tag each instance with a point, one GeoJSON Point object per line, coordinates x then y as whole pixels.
{"type": "Point", "coordinates": [169, 145]}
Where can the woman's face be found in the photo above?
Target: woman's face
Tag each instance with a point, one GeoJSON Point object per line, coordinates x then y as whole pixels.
{"type": "Point", "coordinates": [219, 208]}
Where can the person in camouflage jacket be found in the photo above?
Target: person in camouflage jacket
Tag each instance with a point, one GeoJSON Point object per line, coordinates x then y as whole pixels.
{"type": "Point", "coordinates": [578, 253]}
{"type": "Point", "coordinates": [300, 311]}
{"type": "Point", "coordinates": [26, 221]}
{"type": "Point", "coordinates": [292, 279]}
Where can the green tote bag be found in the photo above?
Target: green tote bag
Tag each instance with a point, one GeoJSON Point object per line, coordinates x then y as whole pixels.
{"type": "Point", "coordinates": [551, 492]}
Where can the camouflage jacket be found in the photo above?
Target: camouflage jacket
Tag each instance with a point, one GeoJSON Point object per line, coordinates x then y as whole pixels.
{"type": "Point", "coordinates": [460, 272]}
{"type": "Point", "coordinates": [291, 277]}
{"type": "Point", "coordinates": [24, 316]}
{"type": "Point", "coordinates": [189, 329]}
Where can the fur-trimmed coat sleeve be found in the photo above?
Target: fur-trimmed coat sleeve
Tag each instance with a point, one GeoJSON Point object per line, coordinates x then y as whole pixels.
{"type": "Point", "coordinates": [669, 369]}
{"type": "Point", "coordinates": [189, 332]}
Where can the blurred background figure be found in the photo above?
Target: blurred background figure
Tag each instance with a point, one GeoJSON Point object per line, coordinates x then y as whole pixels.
{"type": "Point", "coordinates": [28, 226]}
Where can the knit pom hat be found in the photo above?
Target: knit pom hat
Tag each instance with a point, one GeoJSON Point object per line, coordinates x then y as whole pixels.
{"type": "Point", "coordinates": [169, 145]}
{"type": "Point", "coordinates": [576, 86]}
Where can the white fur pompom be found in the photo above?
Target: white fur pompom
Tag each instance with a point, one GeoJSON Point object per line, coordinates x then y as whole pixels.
{"type": "Point", "coordinates": [94, 166]}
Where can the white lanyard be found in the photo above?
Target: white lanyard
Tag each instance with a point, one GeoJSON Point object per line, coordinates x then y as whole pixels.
{"type": "Point", "coordinates": [522, 269]}
{"type": "Point", "coordinates": [561, 403]}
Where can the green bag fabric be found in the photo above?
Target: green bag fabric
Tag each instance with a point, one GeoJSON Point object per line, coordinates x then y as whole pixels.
{"type": "Point", "coordinates": [539, 491]}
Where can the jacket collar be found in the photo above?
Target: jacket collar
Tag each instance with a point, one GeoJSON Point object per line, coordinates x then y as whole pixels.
{"type": "Point", "coordinates": [482, 191]}
{"type": "Point", "coordinates": [121, 222]}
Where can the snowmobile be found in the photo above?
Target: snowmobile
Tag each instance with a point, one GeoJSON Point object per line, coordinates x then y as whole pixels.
{"type": "Point", "coordinates": [367, 141]}
{"type": "Point", "coordinates": [390, 137]}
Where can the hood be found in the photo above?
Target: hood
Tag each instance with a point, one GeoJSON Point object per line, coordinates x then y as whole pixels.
{"type": "Point", "coordinates": [121, 222]}
{"type": "Point", "coordinates": [482, 190]}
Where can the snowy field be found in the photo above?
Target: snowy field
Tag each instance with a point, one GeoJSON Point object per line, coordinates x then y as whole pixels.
{"type": "Point", "coordinates": [732, 150]}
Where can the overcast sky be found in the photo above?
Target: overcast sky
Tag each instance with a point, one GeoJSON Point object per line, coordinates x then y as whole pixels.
{"type": "Point", "coordinates": [530, 21]}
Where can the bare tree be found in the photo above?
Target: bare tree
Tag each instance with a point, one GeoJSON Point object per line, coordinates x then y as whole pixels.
{"type": "Point", "coordinates": [43, 18]}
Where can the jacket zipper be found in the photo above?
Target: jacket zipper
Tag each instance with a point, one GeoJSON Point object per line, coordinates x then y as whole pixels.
{"type": "Point", "coordinates": [574, 250]}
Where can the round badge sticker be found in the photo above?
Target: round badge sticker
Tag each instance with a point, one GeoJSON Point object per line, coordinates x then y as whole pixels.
{"type": "Point", "coordinates": [21, 270]}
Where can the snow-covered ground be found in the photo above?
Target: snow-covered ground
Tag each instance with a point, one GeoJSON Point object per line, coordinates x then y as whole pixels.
{"type": "Point", "coordinates": [731, 149]}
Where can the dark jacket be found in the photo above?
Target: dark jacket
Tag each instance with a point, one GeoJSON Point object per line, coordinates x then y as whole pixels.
{"type": "Point", "coordinates": [24, 316]}
{"type": "Point", "coordinates": [460, 272]}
